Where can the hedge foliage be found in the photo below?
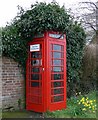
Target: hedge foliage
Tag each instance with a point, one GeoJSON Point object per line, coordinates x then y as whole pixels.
{"type": "Point", "coordinates": [39, 18]}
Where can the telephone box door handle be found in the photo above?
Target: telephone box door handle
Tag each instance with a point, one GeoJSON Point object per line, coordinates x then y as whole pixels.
{"type": "Point", "coordinates": [43, 69]}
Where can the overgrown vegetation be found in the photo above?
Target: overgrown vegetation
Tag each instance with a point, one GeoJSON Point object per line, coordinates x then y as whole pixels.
{"type": "Point", "coordinates": [83, 106]}
{"type": "Point", "coordinates": [39, 18]}
{"type": "Point", "coordinates": [89, 66]}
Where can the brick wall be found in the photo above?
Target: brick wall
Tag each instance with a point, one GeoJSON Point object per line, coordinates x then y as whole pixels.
{"type": "Point", "coordinates": [12, 84]}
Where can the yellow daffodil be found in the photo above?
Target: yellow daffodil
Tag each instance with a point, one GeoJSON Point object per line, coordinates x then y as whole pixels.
{"type": "Point", "coordinates": [84, 109]}
{"type": "Point", "coordinates": [91, 101]}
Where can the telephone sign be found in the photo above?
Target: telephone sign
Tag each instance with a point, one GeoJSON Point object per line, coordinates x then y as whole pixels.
{"type": "Point", "coordinates": [35, 47]}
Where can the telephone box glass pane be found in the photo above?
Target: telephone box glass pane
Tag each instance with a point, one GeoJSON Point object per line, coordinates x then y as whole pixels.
{"type": "Point", "coordinates": [36, 54]}
{"type": "Point", "coordinates": [35, 84]}
{"type": "Point", "coordinates": [35, 70]}
{"type": "Point", "coordinates": [57, 84]}
{"type": "Point", "coordinates": [57, 76]}
{"type": "Point", "coordinates": [57, 91]}
{"type": "Point", "coordinates": [56, 55]}
{"type": "Point", "coordinates": [36, 62]}
{"type": "Point", "coordinates": [58, 98]}
{"type": "Point", "coordinates": [57, 47]}
{"type": "Point", "coordinates": [57, 69]}
{"type": "Point", "coordinates": [57, 62]}
{"type": "Point", "coordinates": [35, 77]}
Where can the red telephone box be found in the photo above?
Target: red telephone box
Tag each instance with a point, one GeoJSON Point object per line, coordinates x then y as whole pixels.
{"type": "Point", "coordinates": [46, 73]}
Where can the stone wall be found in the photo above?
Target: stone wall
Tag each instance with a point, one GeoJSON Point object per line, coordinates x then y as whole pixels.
{"type": "Point", "coordinates": [12, 84]}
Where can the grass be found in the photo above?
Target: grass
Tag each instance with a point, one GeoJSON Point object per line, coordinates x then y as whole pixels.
{"type": "Point", "coordinates": [73, 110]}
{"type": "Point", "coordinates": [15, 114]}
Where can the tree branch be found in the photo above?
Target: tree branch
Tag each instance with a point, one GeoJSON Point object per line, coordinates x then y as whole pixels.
{"type": "Point", "coordinates": [91, 3]}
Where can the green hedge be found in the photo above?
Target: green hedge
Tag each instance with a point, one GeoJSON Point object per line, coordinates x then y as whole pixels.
{"type": "Point", "coordinates": [39, 18]}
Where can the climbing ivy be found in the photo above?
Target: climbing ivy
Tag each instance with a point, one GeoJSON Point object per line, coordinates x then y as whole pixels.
{"type": "Point", "coordinates": [39, 18]}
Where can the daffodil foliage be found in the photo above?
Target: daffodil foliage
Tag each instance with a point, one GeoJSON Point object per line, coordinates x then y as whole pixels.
{"type": "Point", "coordinates": [39, 18]}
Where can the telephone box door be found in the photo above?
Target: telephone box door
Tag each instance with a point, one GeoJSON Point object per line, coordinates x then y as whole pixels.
{"type": "Point", "coordinates": [35, 77]}
{"type": "Point", "coordinates": [58, 75]}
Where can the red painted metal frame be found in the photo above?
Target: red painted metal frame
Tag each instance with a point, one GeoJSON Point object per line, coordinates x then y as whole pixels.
{"type": "Point", "coordinates": [46, 42]}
